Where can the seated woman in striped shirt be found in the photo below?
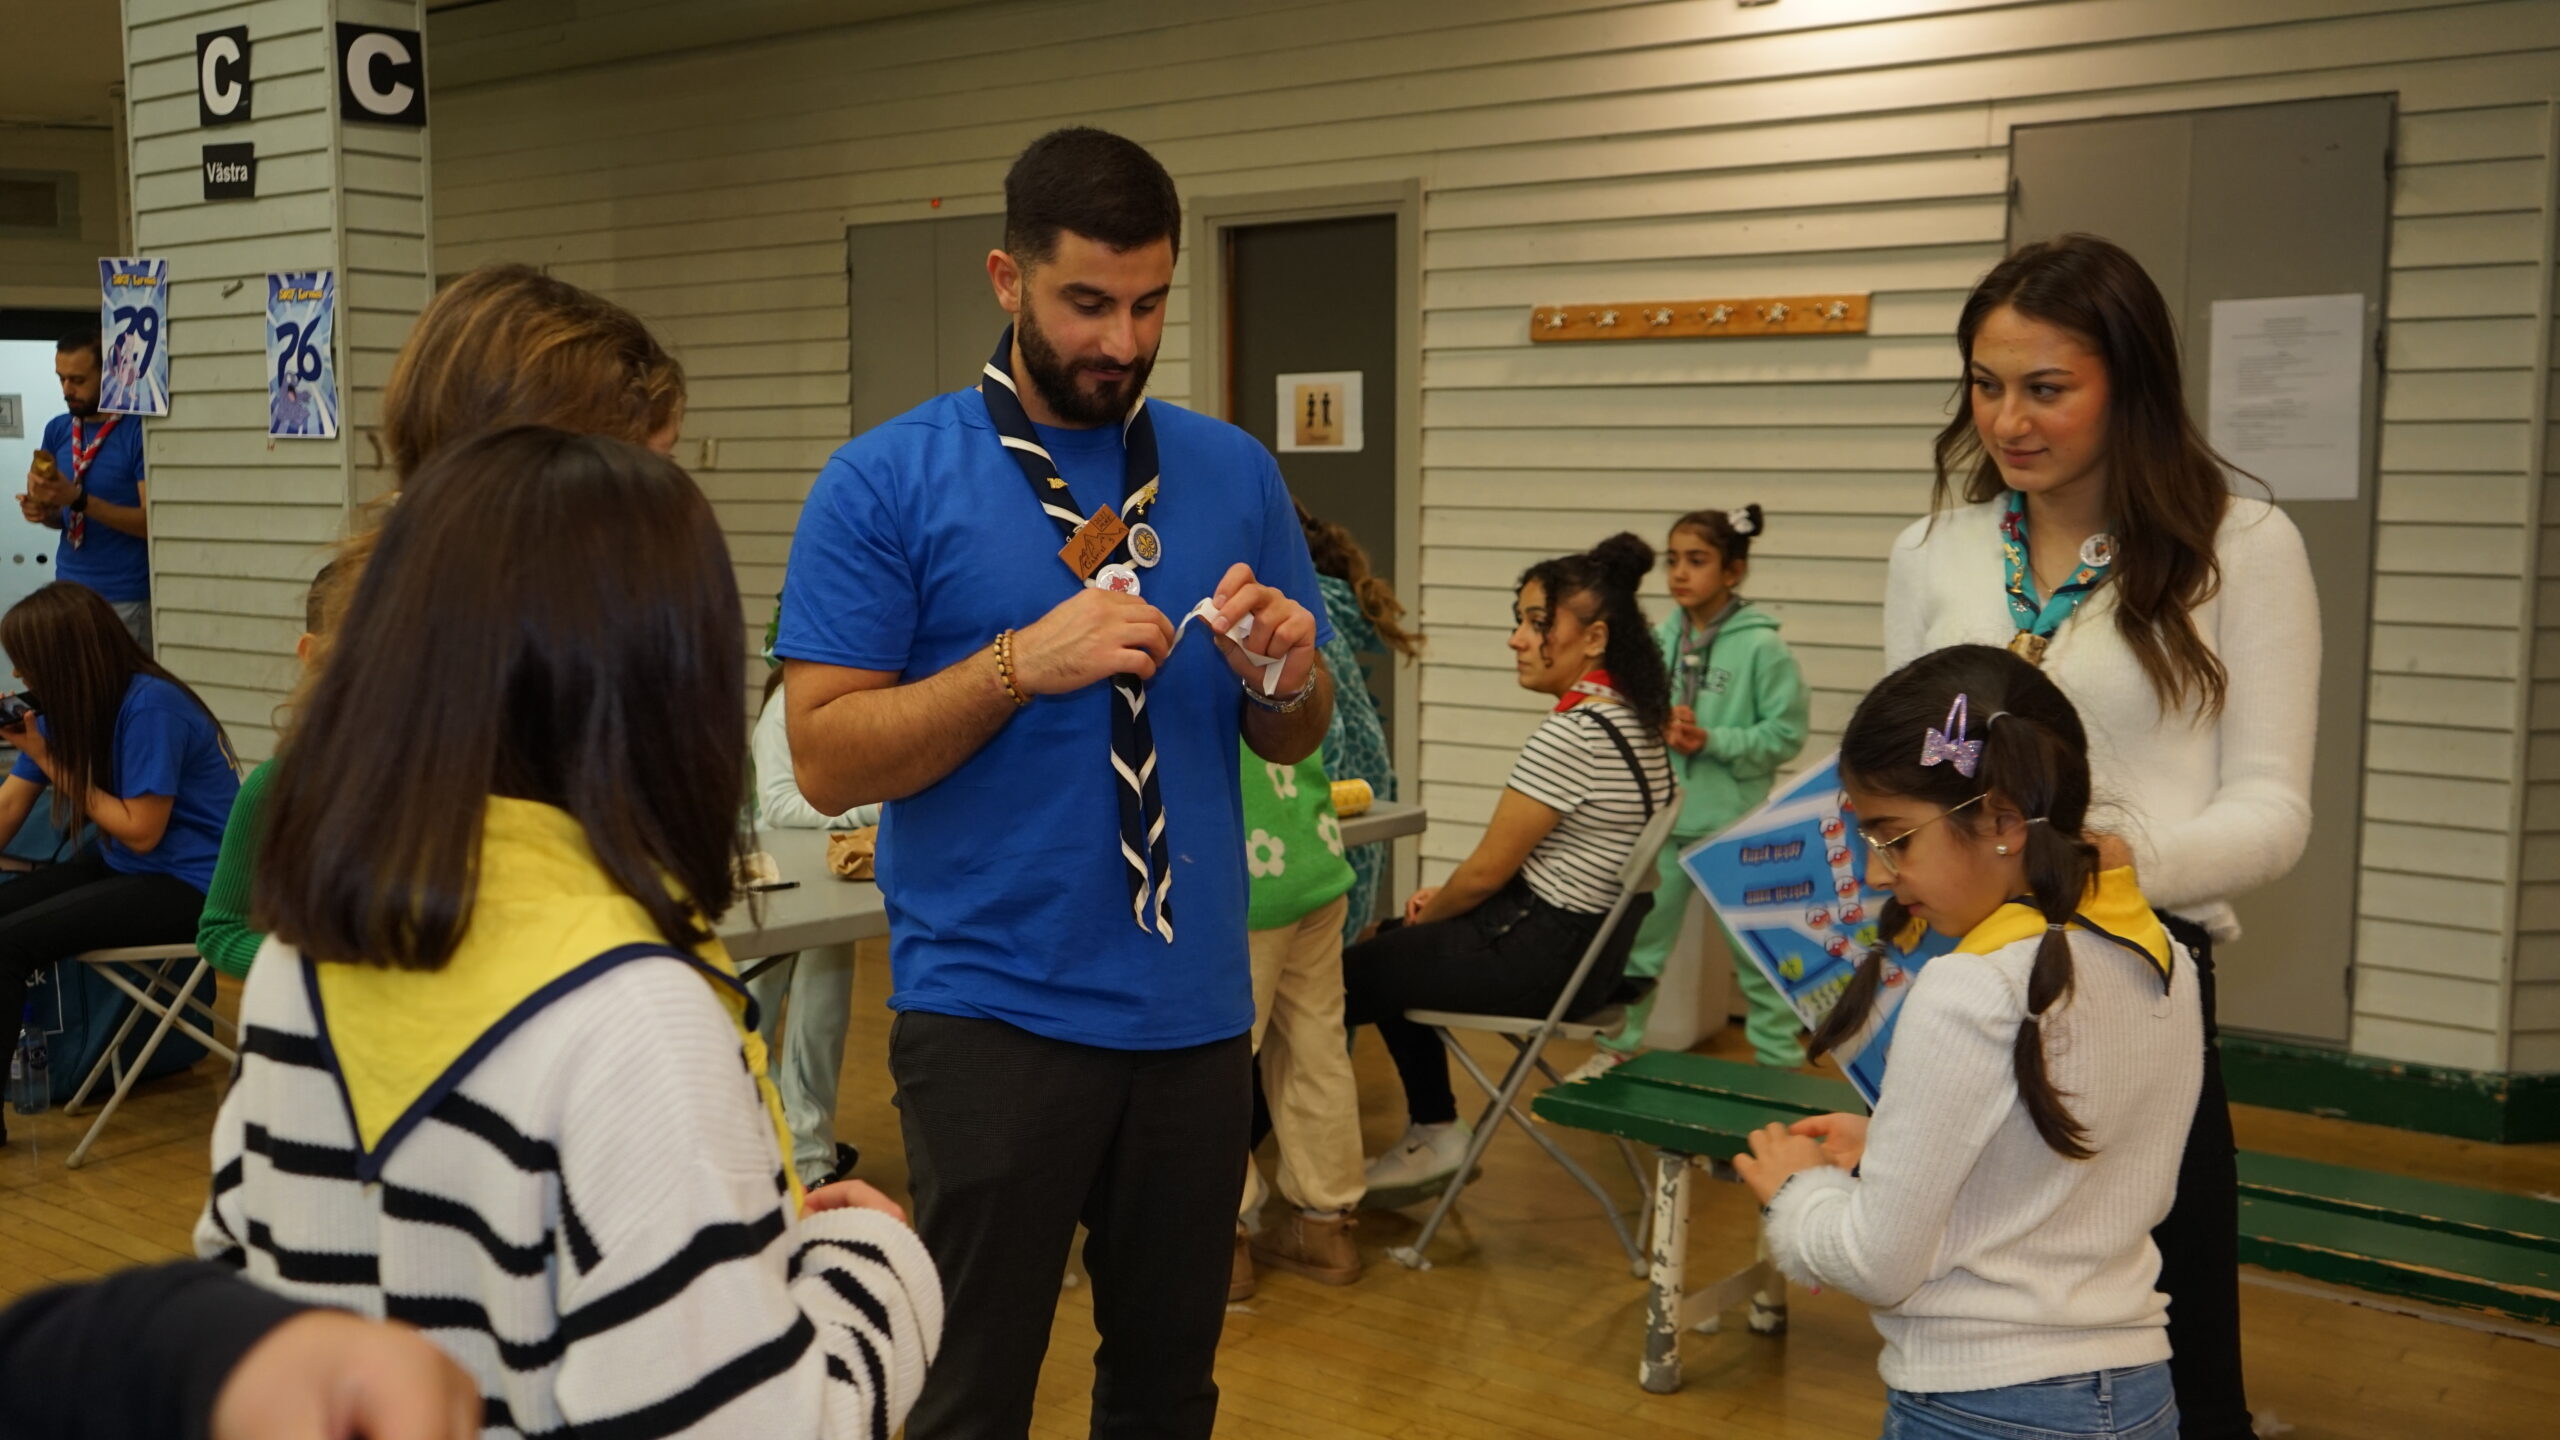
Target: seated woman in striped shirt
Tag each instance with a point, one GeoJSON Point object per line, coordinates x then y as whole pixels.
{"type": "Point", "coordinates": [1503, 934]}
{"type": "Point", "coordinates": [498, 1080]}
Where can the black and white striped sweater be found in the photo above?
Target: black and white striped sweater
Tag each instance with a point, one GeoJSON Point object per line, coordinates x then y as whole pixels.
{"type": "Point", "coordinates": [593, 1221]}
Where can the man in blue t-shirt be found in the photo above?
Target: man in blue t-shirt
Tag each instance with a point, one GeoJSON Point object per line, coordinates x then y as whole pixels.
{"type": "Point", "coordinates": [93, 490]}
{"type": "Point", "coordinates": [968, 636]}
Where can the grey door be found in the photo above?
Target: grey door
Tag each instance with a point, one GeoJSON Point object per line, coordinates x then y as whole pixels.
{"type": "Point", "coordinates": [924, 316]}
{"type": "Point", "coordinates": [1319, 296]}
{"type": "Point", "coordinates": [2257, 201]}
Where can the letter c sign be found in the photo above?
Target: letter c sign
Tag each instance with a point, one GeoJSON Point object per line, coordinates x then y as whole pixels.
{"type": "Point", "coordinates": [382, 76]}
{"type": "Point", "coordinates": [222, 76]}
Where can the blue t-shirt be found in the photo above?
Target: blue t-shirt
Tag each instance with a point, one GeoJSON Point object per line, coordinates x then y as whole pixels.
{"type": "Point", "coordinates": [108, 561]}
{"type": "Point", "coordinates": [1007, 895]}
{"type": "Point", "coordinates": [165, 745]}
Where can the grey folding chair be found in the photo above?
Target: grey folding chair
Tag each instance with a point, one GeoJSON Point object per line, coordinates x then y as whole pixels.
{"type": "Point", "coordinates": [1529, 1039]}
{"type": "Point", "coordinates": [148, 974]}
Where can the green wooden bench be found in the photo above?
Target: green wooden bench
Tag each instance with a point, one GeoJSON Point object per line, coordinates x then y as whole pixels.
{"type": "Point", "coordinates": [2390, 1234]}
{"type": "Point", "coordinates": [1696, 1113]}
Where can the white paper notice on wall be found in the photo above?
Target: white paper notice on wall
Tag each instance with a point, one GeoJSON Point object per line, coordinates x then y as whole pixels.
{"type": "Point", "coordinates": [2288, 392]}
{"type": "Point", "coordinates": [1320, 410]}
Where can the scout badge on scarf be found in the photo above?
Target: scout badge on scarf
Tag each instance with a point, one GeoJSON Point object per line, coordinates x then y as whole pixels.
{"type": "Point", "coordinates": [1092, 542]}
{"type": "Point", "coordinates": [2037, 621]}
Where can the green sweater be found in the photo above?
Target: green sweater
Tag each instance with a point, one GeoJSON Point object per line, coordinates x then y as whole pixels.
{"type": "Point", "coordinates": [1292, 841]}
{"type": "Point", "coordinates": [224, 936]}
{"type": "Point", "coordinates": [1752, 702]}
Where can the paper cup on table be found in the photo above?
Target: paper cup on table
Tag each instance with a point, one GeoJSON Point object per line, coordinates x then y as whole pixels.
{"type": "Point", "coordinates": [1351, 797]}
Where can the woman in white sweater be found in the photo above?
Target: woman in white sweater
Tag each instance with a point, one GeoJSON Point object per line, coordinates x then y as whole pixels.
{"type": "Point", "coordinates": [2100, 538]}
{"type": "Point", "coordinates": [1997, 1210]}
{"type": "Point", "coordinates": [497, 1077]}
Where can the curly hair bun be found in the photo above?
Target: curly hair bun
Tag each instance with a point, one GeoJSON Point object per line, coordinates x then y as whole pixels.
{"type": "Point", "coordinates": [1624, 558]}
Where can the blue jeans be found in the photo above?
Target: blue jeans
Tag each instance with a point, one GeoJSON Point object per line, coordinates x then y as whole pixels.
{"type": "Point", "coordinates": [2102, 1405]}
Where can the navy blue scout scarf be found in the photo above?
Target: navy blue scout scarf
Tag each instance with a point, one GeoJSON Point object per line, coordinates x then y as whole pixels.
{"type": "Point", "coordinates": [1105, 541]}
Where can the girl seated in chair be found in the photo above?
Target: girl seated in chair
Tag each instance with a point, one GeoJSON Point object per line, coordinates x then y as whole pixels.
{"type": "Point", "coordinates": [1505, 932]}
{"type": "Point", "coordinates": [125, 746]}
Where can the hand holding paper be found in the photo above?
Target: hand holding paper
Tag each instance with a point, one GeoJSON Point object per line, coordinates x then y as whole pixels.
{"type": "Point", "coordinates": [1268, 638]}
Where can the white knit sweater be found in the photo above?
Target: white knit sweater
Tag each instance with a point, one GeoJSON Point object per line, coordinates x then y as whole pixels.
{"type": "Point", "coordinates": [2211, 808]}
{"type": "Point", "coordinates": [1991, 1260]}
{"type": "Point", "coordinates": [593, 1222]}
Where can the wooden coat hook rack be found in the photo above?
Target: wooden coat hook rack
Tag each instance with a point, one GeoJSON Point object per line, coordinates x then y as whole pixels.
{"type": "Point", "coordinates": [1701, 319]}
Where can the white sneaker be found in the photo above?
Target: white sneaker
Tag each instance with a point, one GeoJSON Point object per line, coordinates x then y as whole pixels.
{"type": "Point", "coordinates": [1600, 1063]}
{"type": "Point", "coordinates": [1419, 1166]}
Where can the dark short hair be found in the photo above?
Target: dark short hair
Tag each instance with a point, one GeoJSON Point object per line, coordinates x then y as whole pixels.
{"type": "Point", "coordinates": [550, 617]}
{"type": "Point", "coordinates": [1094, 183]}
{"type": "Point", "coordinates": [87, 337]}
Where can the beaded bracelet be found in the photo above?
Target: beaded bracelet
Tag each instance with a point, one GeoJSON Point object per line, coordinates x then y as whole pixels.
{"type": "Point", "coordinates": [1004, 669]}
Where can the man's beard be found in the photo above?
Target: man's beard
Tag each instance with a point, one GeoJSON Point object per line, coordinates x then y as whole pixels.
{"type": "Point", "coordinates": [1056, 379]}
{"type": "Point", "coordinates": [82, 409]}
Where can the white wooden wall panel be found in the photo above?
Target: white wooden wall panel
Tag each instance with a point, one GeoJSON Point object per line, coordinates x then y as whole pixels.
{"type": "Point", "coordinates": [1584, 150]}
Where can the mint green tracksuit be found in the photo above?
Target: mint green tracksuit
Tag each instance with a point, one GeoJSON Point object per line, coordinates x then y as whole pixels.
{"type": "Point", "coordinates": [1752, 702]}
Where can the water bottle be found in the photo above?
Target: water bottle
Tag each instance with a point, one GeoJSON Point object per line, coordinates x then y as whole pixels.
{"type": "Point", "coordinates": [30, 1080]}
{"type": "Point", "coordinates": [30, 1073]}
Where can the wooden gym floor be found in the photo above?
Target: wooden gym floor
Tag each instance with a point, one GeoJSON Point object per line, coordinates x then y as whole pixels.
{"type": "Point", "coordinates": [1528, 1326]}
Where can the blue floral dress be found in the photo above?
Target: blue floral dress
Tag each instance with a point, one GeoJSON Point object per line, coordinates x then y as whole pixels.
{"type": "Point", "coordinates": [1355, 743]}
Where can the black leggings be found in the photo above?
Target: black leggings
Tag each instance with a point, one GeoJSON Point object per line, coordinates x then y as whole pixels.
{"type": "Point", "coordinates": [2200, 1243]}
{"type": "Point", "coordinates": [1508, 956]}
{"type": "Point", "coordinates": [63, 910]}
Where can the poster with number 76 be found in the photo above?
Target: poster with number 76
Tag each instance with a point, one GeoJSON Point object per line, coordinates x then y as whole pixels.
{"type": "Point", "coordinates": [302, 365]}
{"type": "Point", "coordinates": [133, 318]}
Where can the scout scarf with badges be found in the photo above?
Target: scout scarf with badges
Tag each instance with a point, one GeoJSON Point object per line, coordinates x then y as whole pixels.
{"type": "Point", "coordinates": [2037, 621]}
{"type": "Point", "coordinates": [2113, 909]}
{"type": "Point", "coordinates": [1093, 550]}
{"type": "Point", "coordinates": [75, 524]}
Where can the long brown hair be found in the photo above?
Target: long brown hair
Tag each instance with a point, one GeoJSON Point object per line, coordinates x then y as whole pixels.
{"type": "Point", "coordinates": [79, 660]}
{"type": "Point", "coordinates": [2166, 487]}
{"type": "Point", "coordinates": [504, 345]}
{"type": "Point", "coordinates": [508, 345]}
{"type": "Point", "coordinates": [2035, 757]}
{"type": "Point", "coordinates": [552, 618]}
{"type": "Point", "coordinates": [1337, 554]}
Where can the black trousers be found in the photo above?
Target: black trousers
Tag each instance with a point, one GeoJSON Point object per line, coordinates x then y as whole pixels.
{"type": "Point", "coordinates": [1508, 956]}
{"type": "Point", "coordinates": [2200, 1242]}
{"type": "Point", "coordinates": [1012, 1140]}
{"type": "Point", "coordinates": [63, 910]}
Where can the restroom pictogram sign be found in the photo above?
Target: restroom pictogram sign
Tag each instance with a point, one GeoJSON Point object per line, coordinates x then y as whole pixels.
{"type": "Point", "coordinates": [1319, 410]}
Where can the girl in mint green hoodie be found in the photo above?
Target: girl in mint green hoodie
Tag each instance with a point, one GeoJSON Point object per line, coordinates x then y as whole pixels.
{"type": "Point", "coordinates": [1739, 712]}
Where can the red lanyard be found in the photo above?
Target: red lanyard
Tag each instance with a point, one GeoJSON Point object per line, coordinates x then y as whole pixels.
{"type": "Point", "coordinates": [77, 526]}
{"type": "Point", "coordinates": [82, 456]}
{"type": "Point", "coordinates": [1592, 686]}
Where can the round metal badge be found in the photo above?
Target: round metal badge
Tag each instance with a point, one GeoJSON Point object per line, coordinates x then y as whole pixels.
{"type": "Point", "coordinates": [1145, 545]}
{"type": "Point", "coordinates": [2098, 551]}
{"type": "Point", "coordinates": [1115, 577]}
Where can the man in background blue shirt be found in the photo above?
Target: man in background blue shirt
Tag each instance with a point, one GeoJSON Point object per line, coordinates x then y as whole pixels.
{"type": "Point", "coordinates": [1066, 898]}
{"type": "Point", "coordinates": [93, 492]}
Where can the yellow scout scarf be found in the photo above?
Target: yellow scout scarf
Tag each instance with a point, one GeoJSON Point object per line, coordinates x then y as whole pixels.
{"type": "Point", "coordinates": [546, 919]}
{"type": "Point", "coordinates": [2113, 908]}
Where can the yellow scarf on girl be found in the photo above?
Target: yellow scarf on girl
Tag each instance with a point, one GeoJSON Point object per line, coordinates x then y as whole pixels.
{"type": "Point", "coordinates": [546, 918]}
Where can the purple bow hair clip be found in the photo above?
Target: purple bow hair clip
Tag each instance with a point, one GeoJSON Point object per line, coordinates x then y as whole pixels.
{"type": "Point", "coordinates": [1951, 744]}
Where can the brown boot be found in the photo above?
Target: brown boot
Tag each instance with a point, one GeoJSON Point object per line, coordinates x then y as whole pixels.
{"type": "Point", "coordinates": [1318, 1247]}
{"type": "Point", "coordinates": [1240, 1281]}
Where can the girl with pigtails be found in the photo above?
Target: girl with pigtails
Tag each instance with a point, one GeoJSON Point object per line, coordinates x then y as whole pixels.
{"type": "Point", "coordinates": [1996, 1210]}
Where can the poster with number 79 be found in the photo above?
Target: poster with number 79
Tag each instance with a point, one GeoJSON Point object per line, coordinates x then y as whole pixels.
{"type": "Point", "coordinates": [133, 320]}
{"type": "Point", "coordinates": [302, 365]}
